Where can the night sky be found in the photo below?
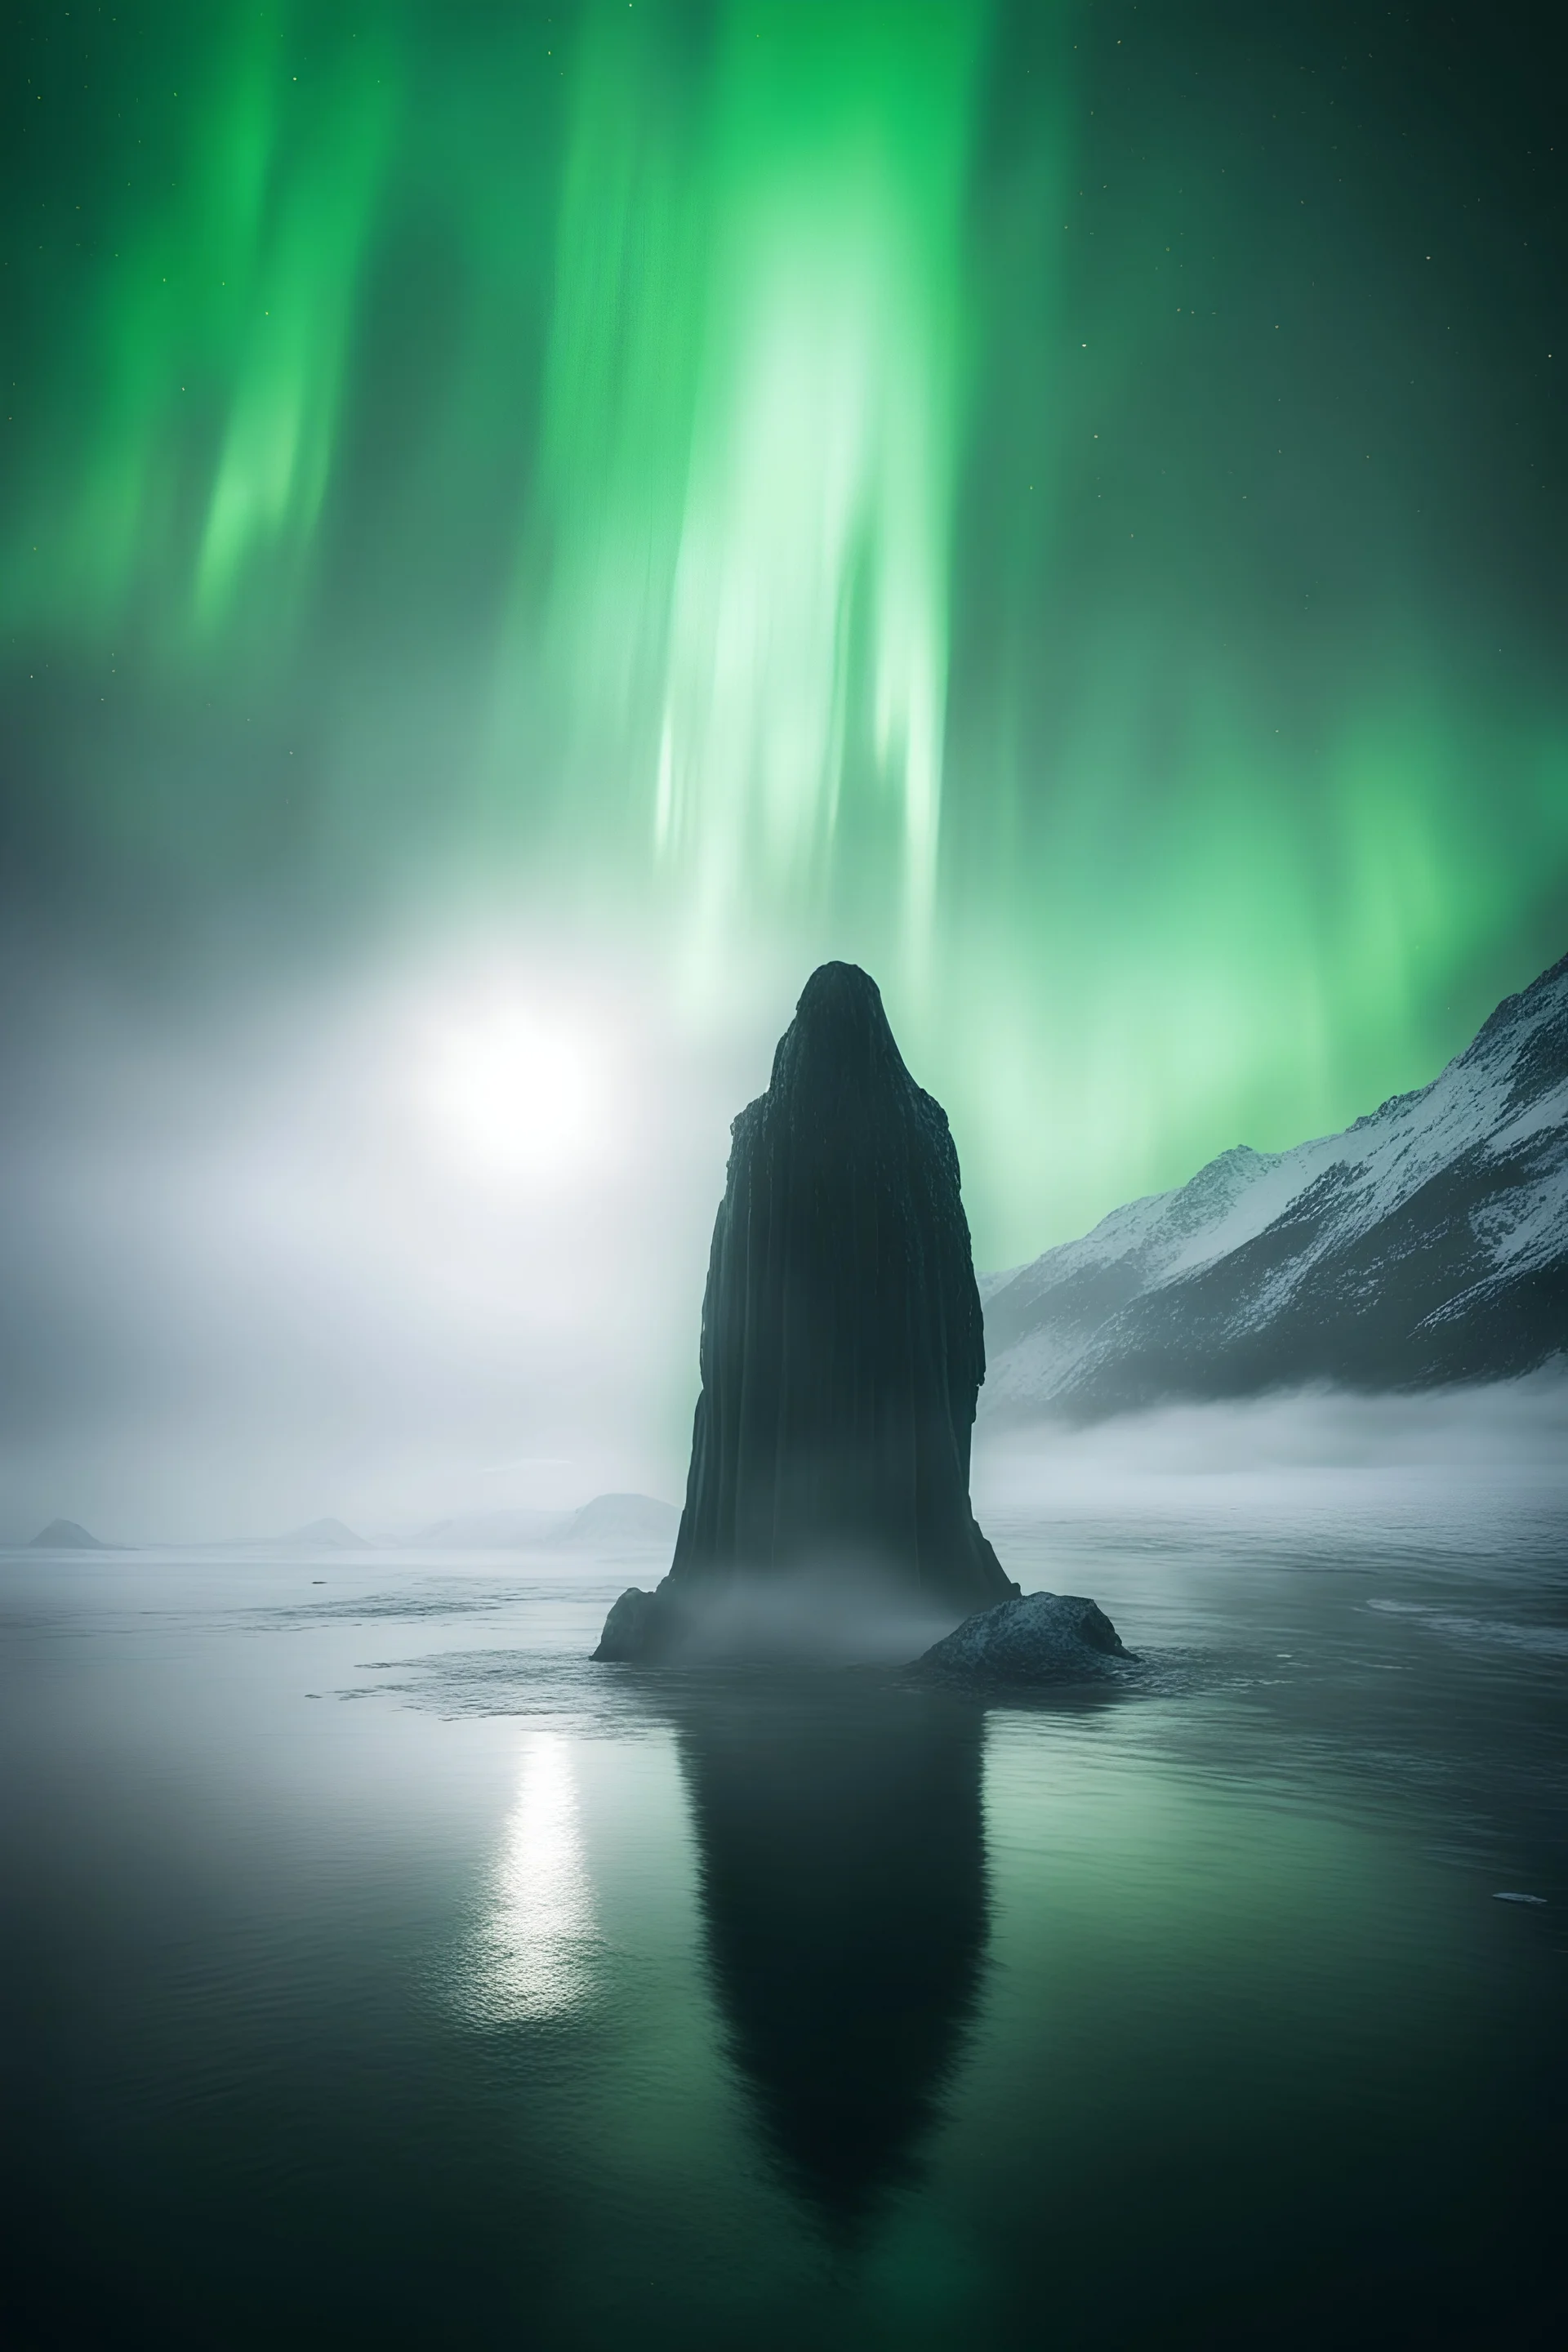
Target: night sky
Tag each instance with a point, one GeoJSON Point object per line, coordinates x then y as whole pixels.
{"type": "Point", "coordinates": [1062, 505]}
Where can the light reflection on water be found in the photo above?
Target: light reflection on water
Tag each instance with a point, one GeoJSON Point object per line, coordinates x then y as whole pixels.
{"type": "Point", "coordinates": [532, 1955]}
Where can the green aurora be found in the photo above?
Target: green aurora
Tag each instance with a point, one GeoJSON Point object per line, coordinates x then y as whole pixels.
{"type": "Point", "coordinates": [1055, 503]}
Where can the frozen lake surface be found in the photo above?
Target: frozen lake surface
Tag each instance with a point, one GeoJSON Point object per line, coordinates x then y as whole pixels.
{"type": "Point", "coordinates": [379, 1971]}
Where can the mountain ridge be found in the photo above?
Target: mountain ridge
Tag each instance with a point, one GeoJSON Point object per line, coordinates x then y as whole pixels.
{"type": "Point", "coordinates": [1426, 1243]}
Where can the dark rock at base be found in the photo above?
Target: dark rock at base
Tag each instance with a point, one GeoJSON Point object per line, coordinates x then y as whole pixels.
{"type": "Point", "coordinates": [829, 1619]}
{"type": "Point", "coordinates": [634, 1628]}
{"type": "Point", "coordinates": [1046, 1637]}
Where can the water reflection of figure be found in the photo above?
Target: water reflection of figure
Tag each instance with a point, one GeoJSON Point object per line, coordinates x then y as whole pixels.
{"type": "Point", "coordinates": [843, 1894]}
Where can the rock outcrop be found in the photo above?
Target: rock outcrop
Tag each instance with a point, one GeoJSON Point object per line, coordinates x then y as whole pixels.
{"type": "Point", "coordinates": [633, 1627]}
{"type": "Point", "coordinates": [1044, 1637]}
{"type": "Point", "coordinates": [842, 1342]}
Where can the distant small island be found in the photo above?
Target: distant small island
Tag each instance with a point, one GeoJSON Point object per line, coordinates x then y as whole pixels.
{"type": "Point", "coordinates": [66, 1535]}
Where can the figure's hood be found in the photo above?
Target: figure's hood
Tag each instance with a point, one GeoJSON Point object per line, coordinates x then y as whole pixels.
{"type": "Point", "coordinates": [839, 1035]}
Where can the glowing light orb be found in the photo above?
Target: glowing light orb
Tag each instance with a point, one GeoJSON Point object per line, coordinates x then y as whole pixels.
{"type": "Point", "coordinates": [514, 1090]}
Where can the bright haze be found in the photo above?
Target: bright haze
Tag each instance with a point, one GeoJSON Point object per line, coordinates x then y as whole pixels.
{"type": "Point", "coordinates": [524, 531]}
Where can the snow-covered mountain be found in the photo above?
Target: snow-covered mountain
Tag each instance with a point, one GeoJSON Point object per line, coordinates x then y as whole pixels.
{"type": "Point", "coordinates": [1428, 1244]}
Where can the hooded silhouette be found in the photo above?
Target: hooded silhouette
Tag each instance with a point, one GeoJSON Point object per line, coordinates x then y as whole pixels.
{"type": "Point", "coordinates": [842, 1342]}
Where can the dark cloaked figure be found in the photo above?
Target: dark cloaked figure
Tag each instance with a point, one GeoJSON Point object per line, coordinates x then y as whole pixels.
{"type": "Point", "coordinates": [842, 1342]}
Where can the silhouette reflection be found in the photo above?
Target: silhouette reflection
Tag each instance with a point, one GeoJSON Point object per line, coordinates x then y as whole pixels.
{"type": "Point", "coordinates": [843, 1873]}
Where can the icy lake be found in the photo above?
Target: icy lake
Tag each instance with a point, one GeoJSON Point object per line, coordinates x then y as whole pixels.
{"type": "Point", "coordinates": [377, 1970]}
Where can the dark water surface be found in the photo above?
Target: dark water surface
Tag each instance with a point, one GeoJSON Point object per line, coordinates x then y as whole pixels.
{"type": "Point", "coordinates": [376, 1971]}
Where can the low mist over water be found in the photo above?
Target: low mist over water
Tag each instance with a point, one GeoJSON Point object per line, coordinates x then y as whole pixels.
{"type": "Point", "coordinates": [350, 1911]}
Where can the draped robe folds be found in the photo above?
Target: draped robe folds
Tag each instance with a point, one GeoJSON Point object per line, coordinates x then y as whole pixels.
{"type": "Point", "coordinates": [842, 1343]}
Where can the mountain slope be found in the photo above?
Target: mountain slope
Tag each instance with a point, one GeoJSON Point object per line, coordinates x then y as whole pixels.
{"type": "Point", "coordinates": [1428, 1244]}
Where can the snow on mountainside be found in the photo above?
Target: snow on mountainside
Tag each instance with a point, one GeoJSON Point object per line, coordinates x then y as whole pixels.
{"type": "Point", "coordinates": [1428, 1244]}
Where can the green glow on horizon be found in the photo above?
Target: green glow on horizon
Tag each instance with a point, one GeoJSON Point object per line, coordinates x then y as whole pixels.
{"type": "Point", "coordinates": [828, 477]}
